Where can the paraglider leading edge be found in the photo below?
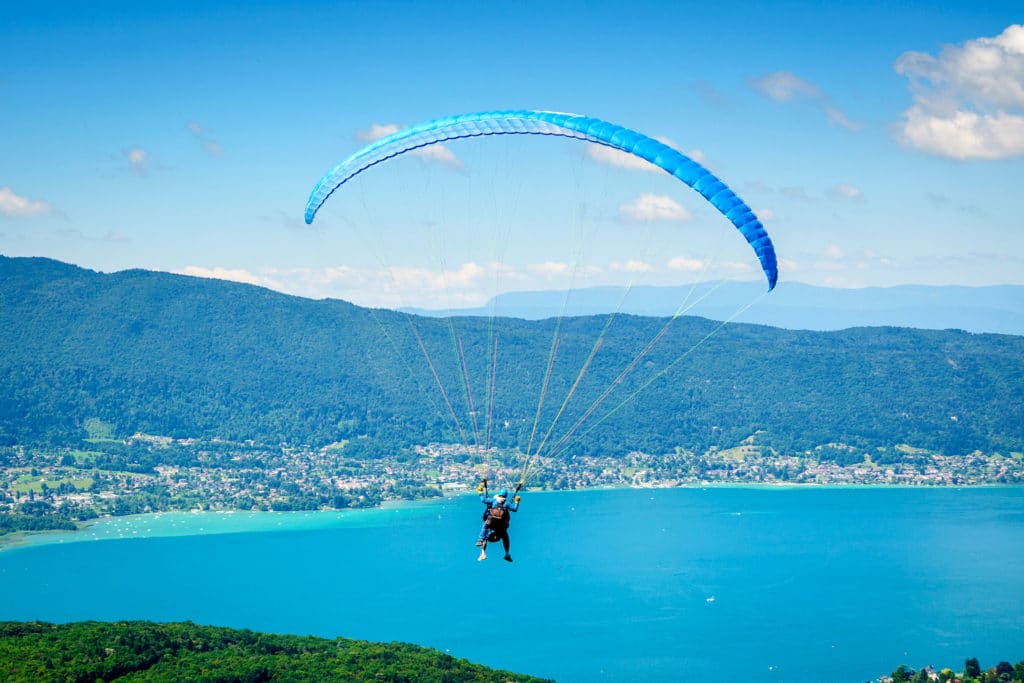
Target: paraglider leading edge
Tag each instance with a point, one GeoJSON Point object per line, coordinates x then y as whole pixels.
{"type": "Point", "coordinates": [529, 122]}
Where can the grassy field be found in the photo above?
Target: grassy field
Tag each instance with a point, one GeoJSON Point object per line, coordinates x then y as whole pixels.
{"type": "Point", "coordinates": [27, 482]}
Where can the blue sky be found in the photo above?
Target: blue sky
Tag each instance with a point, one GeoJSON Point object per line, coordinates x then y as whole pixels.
{"type": "Point", "coordinates": [881, 143]}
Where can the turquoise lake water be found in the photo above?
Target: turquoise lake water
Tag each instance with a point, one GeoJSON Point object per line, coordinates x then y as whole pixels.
{"type": "Point", "coordinates": [755, 584]}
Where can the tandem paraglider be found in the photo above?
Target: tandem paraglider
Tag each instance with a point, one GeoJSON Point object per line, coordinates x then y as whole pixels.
{"type": "Point", "coordinates": [466, 415]}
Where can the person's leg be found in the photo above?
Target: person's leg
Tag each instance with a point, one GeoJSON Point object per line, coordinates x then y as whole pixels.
{"type": "Point", "coordinates": [505, 543]}
{"type": "Point", "coordinates": [484, 531]}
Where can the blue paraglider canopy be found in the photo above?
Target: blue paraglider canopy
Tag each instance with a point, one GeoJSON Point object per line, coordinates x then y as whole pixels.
{"type": "Point", "coordinates": [528, 122]}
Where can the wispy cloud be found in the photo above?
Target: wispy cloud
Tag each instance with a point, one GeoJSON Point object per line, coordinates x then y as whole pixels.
{"type": "Point", "coordinates": [376, 131]}
{"type": "Point", "coordinates": [615, 157]}
{"type": "Point", "coordinates": [13, 204]}
{"type": "Point", "coordinates": [467, 276]}
{"type": "Point", "coordinates": [687, 264]}
{"type": "Point", "coordinates": [232, 274]}
{"type": "Point", "coordinates": [631, 266]}
{"type": "Point", "coordinates": [138, 160]}
{"type": "Point", "coordinates": [550, 268]}
{"type": "Point", "coordinates": [968, 100]}
{"type": "Point", "coordinates": [205, 141]}
{"type": "Point", "coordinates": [847, 191]}
{"type": "Point", "coordinates": [740, 267]}
{"type": "Point", "coordinates": [653, 207]}
{"type": "Point", "coordinates": [470, 284]}
{"type": "Point", "coordinates": [711, 95]}
{"type": "Point", "coordinates": [785, 86]}
{"type": "Point", "coordinates": [796, 192]}
{"type": "Point", "coordinates": [834, 263]}
{"type": "Point", "coordinates": [437, 153]}
{"type": "Point", "coordinates": [440, 154]}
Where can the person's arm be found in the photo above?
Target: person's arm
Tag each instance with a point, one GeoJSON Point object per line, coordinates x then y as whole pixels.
{"type": "Point", "coordinates": [514, 503]}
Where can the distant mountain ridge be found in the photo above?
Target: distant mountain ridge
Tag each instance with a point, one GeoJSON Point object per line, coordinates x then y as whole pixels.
{"type": "Point", "coordinates": [792, 305]}
{"type": "Point", "coordinates": [163, 354]}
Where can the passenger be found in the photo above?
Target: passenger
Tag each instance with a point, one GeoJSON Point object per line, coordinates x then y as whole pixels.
{"type": "Point", "coordinates": [497, 516]}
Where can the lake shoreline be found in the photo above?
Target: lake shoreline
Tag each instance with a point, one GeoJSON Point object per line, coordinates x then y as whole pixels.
{"type": "Point", "coordinates": [291, 520]}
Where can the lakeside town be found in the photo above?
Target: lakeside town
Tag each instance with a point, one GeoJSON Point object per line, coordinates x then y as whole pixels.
{"type": "Point", "coordinates": [153, 474]}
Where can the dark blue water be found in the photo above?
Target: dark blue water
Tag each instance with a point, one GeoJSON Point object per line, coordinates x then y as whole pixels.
{"type": "Point", "coordinates": [819, 584]}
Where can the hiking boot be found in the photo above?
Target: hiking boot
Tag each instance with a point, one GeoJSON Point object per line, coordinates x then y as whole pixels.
{"type": "Point", "coordinates": [508, 558]}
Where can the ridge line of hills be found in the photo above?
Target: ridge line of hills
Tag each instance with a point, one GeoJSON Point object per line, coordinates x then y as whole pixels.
{"type": "Point", "coordinates": [186, 357]}
{"type": "Point", "coordinates": [997, 309]}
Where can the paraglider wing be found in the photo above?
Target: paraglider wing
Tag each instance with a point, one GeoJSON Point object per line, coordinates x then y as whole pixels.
{"type": "Point", "coordinates": [671, 160]}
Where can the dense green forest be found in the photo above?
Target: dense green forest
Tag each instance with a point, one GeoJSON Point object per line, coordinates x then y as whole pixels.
{"type": "Point", "coordinates": [156, 353]}
{"type": "Point", "coordinates": [143, 651]}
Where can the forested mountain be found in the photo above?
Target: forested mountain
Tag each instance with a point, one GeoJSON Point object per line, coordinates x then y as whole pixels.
{"type": "Point", "coordinates": [186, 357]}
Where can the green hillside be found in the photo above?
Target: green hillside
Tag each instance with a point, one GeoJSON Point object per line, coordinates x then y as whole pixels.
{"type": "Point", "coordinates": [144, 651]}
{"type": "Point", "coordinates": [88, 354]}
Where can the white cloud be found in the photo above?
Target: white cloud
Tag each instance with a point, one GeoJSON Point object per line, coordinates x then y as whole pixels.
{"type": "Point", "coordinates": [615, 157]}
{"type": "Point", "coordinates": [698, 155]}
{"type": "Point", "coordinates": [846, 191]}
{"type": "Point", "coordinates": [138, 159]}
{"type": "Point", "coordinates": [376, 131]}
{"type": "Point", "coordinates": [835, 259]}
{"type": "Point", "coordinates": [840, 119]}
{"type": "Point", "coordinates": [466, 277]}
{"type": "Point", "coordinates": [437, 153]}
{"type": "Point", "coordinates": [968, 100]}
{"type": "Point", "coordinates": [690, 265]}
{"type": "Point", "coordinates": [440, 154]}
{"type": "Point", "coordinates": [204, 139]}
{"type": "Point", "coordinates": [631, 266]}
{"type": "Point", "coordinates": [785, 86]}
{"type": "Point", "coordinates": [739, 266]}
{"type": "Point", "coordinates": [797, 193]}
{"type": "Point", "coordinates": [963, 134]}
{"type": "Point", "coordinates": [13, 204]}
{"type": "Point", "coordinates": [711, 95]}
{"type": "Point", "coordinates": [765, 214]}
{"type": "Point", "coordinates": [232, 274]}
{"type": "Point", "coordinates": [550, 268]}
{"type": "Point", "coordinates": [654, 207]}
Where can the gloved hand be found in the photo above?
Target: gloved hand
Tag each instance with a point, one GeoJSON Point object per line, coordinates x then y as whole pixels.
{"type": "Point", "coordinates": [480, 488]}
{"type": "Point", "coordinates": [517, 500]}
